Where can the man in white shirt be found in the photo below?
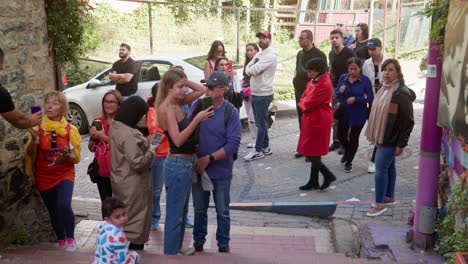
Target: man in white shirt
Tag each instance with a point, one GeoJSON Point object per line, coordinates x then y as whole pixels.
{"type": "Point", "coordinates": [262, 68]}
{"type": "Point", "coordinates": [372, 68]}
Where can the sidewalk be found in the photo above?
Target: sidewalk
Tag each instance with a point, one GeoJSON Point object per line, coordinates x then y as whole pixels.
{"type": "Point", "coordinates": [248, 245]}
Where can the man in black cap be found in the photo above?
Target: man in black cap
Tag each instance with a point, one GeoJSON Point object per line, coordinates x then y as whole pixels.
{"type": "Point", "coordinates": [219, 140]}
{"type": "Point", "coordinates": [372, 68]}
{"type": "Point", "coordinates": [125, 72]}
{"type": "Point", "coordinates": [262, 70]}
{"type": "Point", "coordinates": [309, 51]}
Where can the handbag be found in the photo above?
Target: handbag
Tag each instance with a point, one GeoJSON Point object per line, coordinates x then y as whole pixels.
{"type": "Point", "coordinates": [338, 110]}
{"type": "Point", "coordinates": [93, 171]}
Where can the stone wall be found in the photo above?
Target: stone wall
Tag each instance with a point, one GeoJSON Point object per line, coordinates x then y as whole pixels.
{"type": "Point", "coordinates": [27, 76]}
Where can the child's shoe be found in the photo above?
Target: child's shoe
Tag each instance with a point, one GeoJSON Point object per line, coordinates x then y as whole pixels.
{"type": "Point", "coordinates": [61, 244]}
{"type": "Point", "coordinates": [71, 244]}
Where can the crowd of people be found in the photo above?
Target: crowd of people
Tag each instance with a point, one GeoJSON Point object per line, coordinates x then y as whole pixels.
{"type": "Point", "coordinates": [193, 142]}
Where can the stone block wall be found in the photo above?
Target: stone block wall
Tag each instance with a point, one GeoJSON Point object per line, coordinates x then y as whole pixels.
{"type": "Point", "coordinates": [27, 76]}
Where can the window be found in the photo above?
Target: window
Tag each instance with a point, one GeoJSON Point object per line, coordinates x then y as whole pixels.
{"type": "Point", "coordinates": [104, 79]}
{"type": "Point", "coordinates": [153, 70]}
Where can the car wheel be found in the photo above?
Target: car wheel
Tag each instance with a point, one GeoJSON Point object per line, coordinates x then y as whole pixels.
{"type": "Point", "coordinates": [77, 117]}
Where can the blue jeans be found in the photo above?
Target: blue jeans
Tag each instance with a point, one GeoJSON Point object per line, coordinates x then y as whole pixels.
{"type": "Point", "coordinates": [385, 173]}
{"type": "Point", "coordinates": [178, 172]}
{"type": "Point", "coordinates": [260, 106]}
{"type": "Point", "coordinates": [158, 182]}
{"type": "Point", "coordinates": [58, 202]}
{"type": "Point", "coordinates": [201, 200]}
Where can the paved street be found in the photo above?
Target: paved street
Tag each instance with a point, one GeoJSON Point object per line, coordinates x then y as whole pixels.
{"type": "Point", "coordinates": [277, 177]}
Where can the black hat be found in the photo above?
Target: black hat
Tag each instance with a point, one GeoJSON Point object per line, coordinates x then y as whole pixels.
{"type": "Point", "coordinates": [218, 78]}
{"type": "Point", "coordinates": [264, 33]}
{"type": "Point", "coordinates": [374, 43]}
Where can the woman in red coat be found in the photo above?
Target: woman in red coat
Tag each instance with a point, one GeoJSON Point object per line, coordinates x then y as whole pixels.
{"type": "Point", "coordinates": [316, 123]}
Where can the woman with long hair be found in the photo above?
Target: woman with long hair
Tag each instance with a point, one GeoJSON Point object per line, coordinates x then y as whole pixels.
{"type": "Point", "coordinates": [234, 93]}
{"type": "Point", "coordinates": [360, 46]}
{"type": "Point", "coordinates": [52, 150]}
{"type": "Point", "coordinates": [250, 50]}
{"type": "Point", "coordinates": [99, 142]}
{"type": "Point", "coordinates": [389, 128]}
{"type": "Point", "coordinates": [179, 164]}
{"type": "Point", "coordinates": [354, 91]}
{"type": "Point", "coordinates": [316, 123]}
{"type": "Point", "coordinates": [216, 50]}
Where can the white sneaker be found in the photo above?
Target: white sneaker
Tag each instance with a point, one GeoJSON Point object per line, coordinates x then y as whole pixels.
{"type": "Point", "coordinates": [251, 144]}
{"type": "Point", "coordinates": [371, 168]}
{"type": "Point", "coordinates": [267, 151]}
{"type": "Point", "coordinates": [253, 155]}
{"type": "Point", "coordinates": [186, 251]}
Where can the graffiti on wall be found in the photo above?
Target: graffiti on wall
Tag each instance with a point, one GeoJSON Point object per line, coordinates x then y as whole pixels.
{"type": "Point", "coordinates": [453, 102]}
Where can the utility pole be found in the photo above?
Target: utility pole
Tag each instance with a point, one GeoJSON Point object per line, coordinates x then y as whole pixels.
{"type": "Point", "coordinates": [425, 215]}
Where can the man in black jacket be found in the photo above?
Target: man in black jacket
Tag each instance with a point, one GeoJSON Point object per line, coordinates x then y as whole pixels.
{"type": "Point", "coordinates": [309, 51]}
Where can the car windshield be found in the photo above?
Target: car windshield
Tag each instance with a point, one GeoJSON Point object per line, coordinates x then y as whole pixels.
{"type": "Point", "coordinates": [197, 61]}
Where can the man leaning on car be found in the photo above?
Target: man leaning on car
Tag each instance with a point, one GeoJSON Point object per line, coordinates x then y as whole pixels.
{"type": "Point", "coordinates": [125, 73]}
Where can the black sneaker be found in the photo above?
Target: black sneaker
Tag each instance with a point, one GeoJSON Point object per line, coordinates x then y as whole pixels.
{"type": "Point", "coordinates": [198, 247]}
{"type": "Point", "coordinates": [224, 249]}
{"type": "Point", "coordinates": [298, 155]}
{"type": "Point", "coordinates": [348, 167]}
{"type": "Point", "coordinates": [334, 146]}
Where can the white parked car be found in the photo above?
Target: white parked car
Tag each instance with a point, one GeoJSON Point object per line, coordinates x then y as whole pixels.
{"type": "Point", "coordinates": [85, 99]}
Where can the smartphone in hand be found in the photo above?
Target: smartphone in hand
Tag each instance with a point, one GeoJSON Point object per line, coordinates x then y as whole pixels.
{"type": "Point", "coordinates": [229, 65]}
{"type": "Point", "coordinates": [157, 139]}
{"type": "Point", "coordinates": [35, 109]}
{"type": "Point", "coordinates": [206, 102]}
{"type": "Point", "coordinates": [97, 124]}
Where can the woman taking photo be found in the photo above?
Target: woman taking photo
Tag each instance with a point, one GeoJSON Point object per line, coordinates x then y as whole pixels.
{"type": "Point", "coordinates": [250, 50]}
{"type": "Point", "coordinates": [183, 141]}
{"type": "Point", "coordinates": [131, 160]}
{"type": "Point", "coordinates": [316, 123]}
{"type": "Point", "coordinates": [390, 124]}
{"type": "Point", "coordinates": [216, 50]}
{"type": "Point", "coordinates": [234, 92]}
{"type": "Point", "coordinates": [360, 46]}
{"type": "Point", "coordinates": [99, 143]}
{"type": "Point", "coordinates": [52, 150]}
{"type": "Point", "coordinates": [354, 91]}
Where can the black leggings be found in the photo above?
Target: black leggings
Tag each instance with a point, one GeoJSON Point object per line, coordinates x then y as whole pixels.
{"type": "Point", "coordinates": [350, 144]}
{"type": "Point", "coordinates": [316, 161]}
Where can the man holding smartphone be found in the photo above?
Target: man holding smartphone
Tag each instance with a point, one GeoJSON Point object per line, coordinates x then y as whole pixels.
{"type": "Point", "coordinates": [8, 110]}
{"type": "Point", "coordinates": [219, 139]}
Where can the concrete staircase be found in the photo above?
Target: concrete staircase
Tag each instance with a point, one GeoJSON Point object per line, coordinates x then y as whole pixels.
{"type": "Point", "coordinates": [248, 245]}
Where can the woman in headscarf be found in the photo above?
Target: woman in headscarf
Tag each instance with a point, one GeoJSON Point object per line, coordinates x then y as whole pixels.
{"type": "Point", "coordinates": [51, 152]}
{"type": "Point", "coordinates": [316, 123]}
{"type": "Point", "coordinates": [390, 124]}
{"type": "Point", "coordinates": [131, 160]}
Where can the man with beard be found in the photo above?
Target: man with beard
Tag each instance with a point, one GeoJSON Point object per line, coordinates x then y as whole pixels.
{"type": "Point", "coordinates": [300, 80]}
{"type": "Point", "coordinates": [338, 56]}
{"type": "Point", "coordinates": [124, 73]}
{"type": "Point", "coordinates": [262, 68]}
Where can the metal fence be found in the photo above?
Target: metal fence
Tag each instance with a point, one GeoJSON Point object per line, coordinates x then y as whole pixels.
{"type": "Point", "coordinates": [168, 28]}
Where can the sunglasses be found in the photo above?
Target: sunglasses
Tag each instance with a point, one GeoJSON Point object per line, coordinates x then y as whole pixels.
{"type": "Point", "coordinates": [211, 87]}
{"type": "Point", "coordinates": [53, 143]}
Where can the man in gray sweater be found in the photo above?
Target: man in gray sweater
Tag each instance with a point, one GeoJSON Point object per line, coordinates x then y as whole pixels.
{"type": "Point", "coordinates": [262, 70]}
